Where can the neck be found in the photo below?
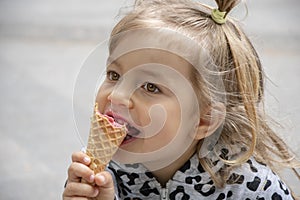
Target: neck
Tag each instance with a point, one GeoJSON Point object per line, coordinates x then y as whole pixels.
{"type": "Point", "coordinates": [165, 174]}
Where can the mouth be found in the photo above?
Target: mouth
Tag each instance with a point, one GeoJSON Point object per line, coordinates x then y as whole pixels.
{"type": "Point", "coordinates": [132, 132]}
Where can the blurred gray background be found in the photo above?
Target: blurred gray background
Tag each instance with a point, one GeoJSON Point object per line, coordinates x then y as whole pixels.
{"type": "Point", "coordinates": [43, 44]}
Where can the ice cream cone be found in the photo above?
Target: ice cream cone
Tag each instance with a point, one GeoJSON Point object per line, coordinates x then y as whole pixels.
{"type": "Point", "coordinates": [104, 139]}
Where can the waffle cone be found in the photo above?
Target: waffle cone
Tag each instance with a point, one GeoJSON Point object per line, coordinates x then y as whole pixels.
{"type": "Point", "coordinates": [104, 140]}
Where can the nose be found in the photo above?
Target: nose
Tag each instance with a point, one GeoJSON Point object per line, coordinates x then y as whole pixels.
{"type": "Point", "coordinates": [120, 98]}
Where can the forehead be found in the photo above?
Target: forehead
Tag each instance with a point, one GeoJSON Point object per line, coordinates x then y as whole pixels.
{"type": "Point", "coordinates": [149, 57]}
{"type": "Point", "coordinates": [156, 38]}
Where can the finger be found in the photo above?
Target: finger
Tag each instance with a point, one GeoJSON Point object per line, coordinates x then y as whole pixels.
{"type": "Point", "coordinates": [74, 189]}
{"type": "Point", "coordinates": [106, 186]}
{"type": "Point", "coordinates": [81, 157]}
{"type": "Point", "coordinates": [104, 179]}
{"type": "Point", "coordinates": [75, 198]}
{"type": "Point", "coordinates": [78, 171]}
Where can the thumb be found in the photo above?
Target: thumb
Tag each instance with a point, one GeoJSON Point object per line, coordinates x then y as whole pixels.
{"type": "Point", "coordinates": [104, 179]}
{"type": "Point", "coordinates": [105, 184]}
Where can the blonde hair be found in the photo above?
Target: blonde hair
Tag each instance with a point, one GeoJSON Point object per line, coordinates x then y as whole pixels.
{"type": "Point", "coordinates": [237, 63]}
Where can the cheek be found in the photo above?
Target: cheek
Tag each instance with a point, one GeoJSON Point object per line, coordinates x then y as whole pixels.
{"type": "Point", "coordinates": [173, 111]}
{"type": "Point", "coordinates": [159, 119]}
{"type": "Point", "coordinates": [102, 98]}
{"type": "Point", "coordinates": [172, 120]}
{"type": "Point", "coordinates": [180, 122]}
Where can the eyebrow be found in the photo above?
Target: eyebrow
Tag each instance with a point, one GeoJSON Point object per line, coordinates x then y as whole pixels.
{"type": "Point", "coordinates": [151, 73]}
{"type": "Point", "coordinates": [157, 74]}
{"type": "Point", "coordinates": [111, 61]}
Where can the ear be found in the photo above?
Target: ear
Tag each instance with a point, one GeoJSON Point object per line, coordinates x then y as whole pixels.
{"type": "Point", "coordinates": [211, 119]}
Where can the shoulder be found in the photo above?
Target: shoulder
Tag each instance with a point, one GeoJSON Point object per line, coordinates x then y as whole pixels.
{"type": "Point", "coordinates": [254, 180]}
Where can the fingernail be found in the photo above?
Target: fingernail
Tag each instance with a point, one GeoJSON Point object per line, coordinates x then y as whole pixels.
{"type": "Point", "coordinates": [102, 178]}
{"type": "Point", "coordinates": [92, 177]}
{"type": "Point", "coordinates": [96, 191]}
{"type": "Point", "coordinates": [86, 159]}
{"type": "Point", "coordinates": [83, 149]}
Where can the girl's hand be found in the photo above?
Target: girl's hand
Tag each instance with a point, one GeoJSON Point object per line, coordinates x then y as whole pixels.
{"type": "Point", "coordinates": [81, 180]}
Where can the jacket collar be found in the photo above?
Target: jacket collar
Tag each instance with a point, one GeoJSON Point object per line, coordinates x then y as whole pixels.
{"type": "Point", "coordinates": [139, 174]}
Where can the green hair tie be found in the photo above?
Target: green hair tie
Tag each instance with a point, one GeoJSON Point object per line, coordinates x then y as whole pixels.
{"type": "Point", "coordinates": [218, 16]}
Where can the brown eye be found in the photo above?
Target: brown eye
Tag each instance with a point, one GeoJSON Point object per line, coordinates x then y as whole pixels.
{"type": "Point", "coordinates": [150, 87]}
{"type": "Point", "coordinates": [113, 76]}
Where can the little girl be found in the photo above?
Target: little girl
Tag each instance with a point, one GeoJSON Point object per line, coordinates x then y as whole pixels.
{"type": "Point", "coordinates": [188, 85]}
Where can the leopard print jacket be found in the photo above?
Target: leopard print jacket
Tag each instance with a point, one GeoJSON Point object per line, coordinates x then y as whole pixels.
{"type": "Point", "coordinates": [252, 180]}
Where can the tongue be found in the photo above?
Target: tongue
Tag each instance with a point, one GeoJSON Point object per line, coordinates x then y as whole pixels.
{"type": "Point", "coordinates": [110, 119]}
{"type": "Point", "coordinates": [113, 122]}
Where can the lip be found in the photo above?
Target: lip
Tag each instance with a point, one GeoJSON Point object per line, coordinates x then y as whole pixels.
{"type": "Point", "coordinates": [117, 118]}
{"type": "Point", "coordinates": [132, 131]}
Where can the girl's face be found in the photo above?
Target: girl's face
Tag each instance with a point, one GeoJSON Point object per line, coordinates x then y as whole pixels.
{"type": "Point", "coordinates": [149, 90]}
